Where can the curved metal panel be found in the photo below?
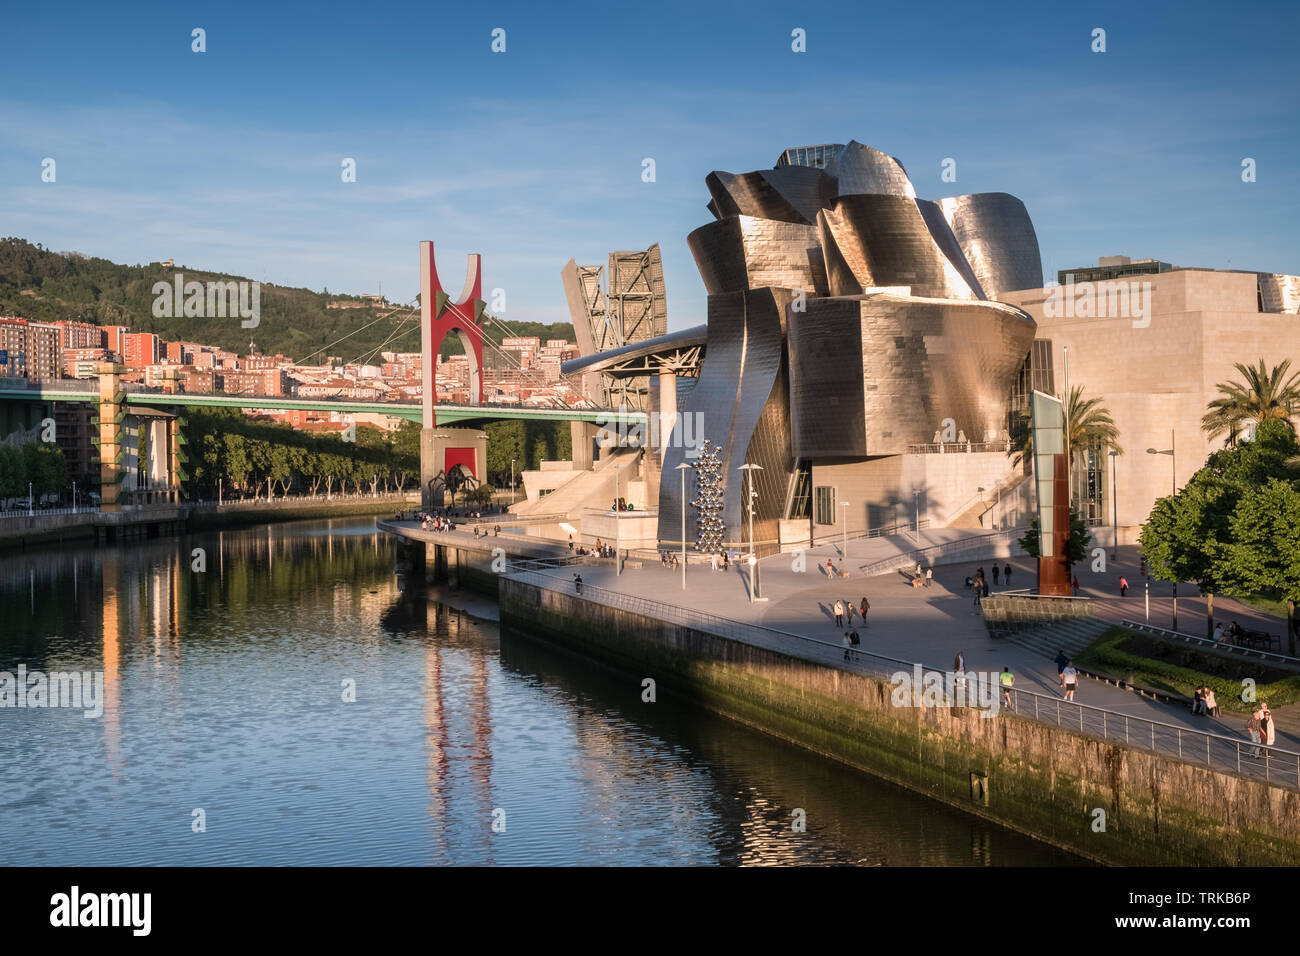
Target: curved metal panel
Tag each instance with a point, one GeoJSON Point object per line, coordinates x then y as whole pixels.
{"type": "Point", "coordinates": [997, 238]}
{"type": "Point", "coordinates": [942, 235]}
{"type": "Point", "coordinates": [885, 241]}
{"type": "Point", "coordinates": [872, 375]}
{"type": "Point", "coordinates": [743, 252]}
{"type": "Point", "coordinates": [735, 401]}
{"type": "Point", "coordinates": [858, 170]}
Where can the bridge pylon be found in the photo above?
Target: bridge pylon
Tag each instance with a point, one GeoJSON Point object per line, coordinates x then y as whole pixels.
{"type": "Point", "coordinates": [441, 316]}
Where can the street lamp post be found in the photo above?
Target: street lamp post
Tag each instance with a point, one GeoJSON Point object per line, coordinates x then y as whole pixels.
{"type": "Point", "coordinates": [682, 468]}
{"type": "Point", "coordinates": [1114, 503]}
{"type": "Point", "coordinates": [30, 502]}
{"type": "Point", "coordinates": [1069, 462]}
{"type": "Point", "coordinates": [512, 481]}
{"type": "Point", "coordinates": [1173, 474]}
{"type": "Point", "coordinates": [74, 497]}
{"type": "Point", "coordinates": [916, 508]}
{"type": "Point", "coordinates": [755, 590]}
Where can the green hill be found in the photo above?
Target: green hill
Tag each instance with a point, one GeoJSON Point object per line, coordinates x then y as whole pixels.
{"type": "Point", "coordinates": [38, 284]}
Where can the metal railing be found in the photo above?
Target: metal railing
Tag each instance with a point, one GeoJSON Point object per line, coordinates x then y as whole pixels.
{"type": "Point", "coordinates": [41, 512]}
{"type": "Point", "coordinates": [927, 555]}
{"type": "Point", "coordinates": [392, 497]}
{"type": "Point", "coordinates": [1274, 765]}
{"type": "Point", "coordinates": [959, 447]}
{"type": "Point", "coordinates": [1231, 650]}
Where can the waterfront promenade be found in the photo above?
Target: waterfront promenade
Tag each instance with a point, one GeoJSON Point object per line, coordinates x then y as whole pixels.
{"type": "Point", "coordinates": [926, 625]}
{"type": "Point", "coordinates": [909, 625]}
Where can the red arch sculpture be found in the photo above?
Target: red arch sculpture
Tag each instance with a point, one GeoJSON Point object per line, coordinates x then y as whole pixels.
{"type": "Point", "coordinates": [440, 315]}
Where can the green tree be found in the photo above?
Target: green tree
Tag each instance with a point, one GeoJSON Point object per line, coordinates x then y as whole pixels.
{"type": "Point", "coordinates": [13, 481]}
{"type": "Point", "coordinates": [1186, 535]}
{"type": "Point", "coordinates": [1076, 545]}
{"type": "Point", "coordinates": [1262, 554]}
{"type": "Point", "coordinates": [44, 467]}
{"type": "Point", "coordinates": [1264, 394]}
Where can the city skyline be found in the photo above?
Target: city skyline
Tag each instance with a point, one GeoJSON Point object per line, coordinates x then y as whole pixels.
{"type": "Point", "coordinates": [530, 157]}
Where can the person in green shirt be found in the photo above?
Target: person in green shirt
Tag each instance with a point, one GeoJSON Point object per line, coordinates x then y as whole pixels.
{"type": "Point", "coordinates": [1008, 680]}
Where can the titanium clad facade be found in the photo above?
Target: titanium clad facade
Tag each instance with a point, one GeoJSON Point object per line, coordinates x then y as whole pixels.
{"type": "Point", "coordinates": [728, 406]}
{"type": "Point", "coordinates": [858, 170]}
{"type": "Point", "coordinates": [743, 252]}
{"type": "Point", "coordinates": [789, 194]}
{"type": "Point", "coordinates": [997, 238]}
{"type": "Point", "coordinates": [873, 375]}
{"type": "Point", "coordinates": [885, 241]}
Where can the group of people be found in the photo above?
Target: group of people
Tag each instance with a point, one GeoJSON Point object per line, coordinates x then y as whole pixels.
{"type": "Point", "coordinates": [669, 560]}
{"type": "Point", "coordinates": [722, 560]}
{"type": "Point", "coordinates": [1261, 729]}
{"type": "Point", "coordinates": [844, 610]}
{"type": "Point", "coordinates": [1068, 673]}
{"type": "Point", "coordinates": [979, 584]}
{"type": "Point", "coordinates": [435, 522]}
{"type": "Point", "coordinates": [1227, 633]}
{"type": "Point", "coordinates": [922, 578]}
{"type": "Point", "coordinates": [1204, 703]}
{"type": "Point", "coordinates": [600, 550]}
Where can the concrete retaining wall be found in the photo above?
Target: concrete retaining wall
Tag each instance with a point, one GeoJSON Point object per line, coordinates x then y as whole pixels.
{"type": "Point", "coordinates": [1037, 779]}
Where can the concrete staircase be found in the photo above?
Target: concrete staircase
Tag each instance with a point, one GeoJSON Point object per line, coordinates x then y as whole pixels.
{"type": "Point", "coordinates": [1070, 634]}
{"type": "Point", "coordinates": [587, 489]}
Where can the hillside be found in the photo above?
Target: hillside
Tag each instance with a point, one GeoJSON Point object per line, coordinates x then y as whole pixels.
{"type": "Point", "coordinates": [38, 284]}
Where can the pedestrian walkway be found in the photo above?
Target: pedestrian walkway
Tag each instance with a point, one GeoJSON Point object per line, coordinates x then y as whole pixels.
{"type": "Point", "coordinates": [928, 625]}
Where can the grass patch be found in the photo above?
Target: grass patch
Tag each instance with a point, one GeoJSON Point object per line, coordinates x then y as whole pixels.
{"type": "Point", "coordinates": [1175, 668]}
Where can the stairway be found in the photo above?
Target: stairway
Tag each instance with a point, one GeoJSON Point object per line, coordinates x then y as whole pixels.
{"type": "Point", "coordinates": [587, 489]}
{"type": "Point", "coordinates": [1071, 635]}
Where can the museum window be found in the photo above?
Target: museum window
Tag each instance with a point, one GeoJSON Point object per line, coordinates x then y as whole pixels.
{"type": "Point", "coordinates": [801, 492]}
{"type": "Point", "coordinates": [825, 505]}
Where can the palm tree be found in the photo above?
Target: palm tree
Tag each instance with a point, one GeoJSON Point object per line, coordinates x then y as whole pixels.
{"type": "Point", "coordinates": [1266, 393]}
{"type": "Point", "coordinates": [1089, 422]}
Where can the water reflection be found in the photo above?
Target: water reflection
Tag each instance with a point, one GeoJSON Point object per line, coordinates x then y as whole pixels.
{"type": "Point", "coordinates": [225, 689]}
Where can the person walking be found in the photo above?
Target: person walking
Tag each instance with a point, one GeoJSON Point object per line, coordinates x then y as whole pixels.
{"type": "Point", "coordinates": [863, 608]}
{"type": "Point", "coordinates": [1070, 677]}
{"type": "Point", "coordinates": [1006, 575]}
{"type": "Point", "coordinates": [839, 613]}
{"type": "Point", "coordinates": [830, 569]}
{"type": "Point", "coordinates": [1061, 661]}
{"type": "Point", "coordinates": [1267, 730]}
{"type": "Point", "coordinates": [959, 670]}
{"type": "Point", "coordinates": [1123, 586]}
{"type": "Point", "coordinates": [1074, 585]}
{"type": "Point", "coordinates": [847, 644]}
{"type": "Point", "coordinates": [977, 586]}
{"type": "Point", "coordinates": [995, 575]}
{"type": "Point", "coordinates": [929, 576]}
{"type": "Point", "coordinates": [713, 562]}
{"type": "Point", "coordinates": [854, 639]}
{"type": "Point", "coordinates": [1007, 680]}
{"type": "Point", "coordinates": [577, 583]}
{"type": "Point", "coordinates": [848, 612]}
{"type": "Point", "coordinates": [1253, 726]}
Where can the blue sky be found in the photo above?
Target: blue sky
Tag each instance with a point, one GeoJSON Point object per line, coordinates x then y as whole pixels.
{"type": "Point", "coordinates": [230, 159]}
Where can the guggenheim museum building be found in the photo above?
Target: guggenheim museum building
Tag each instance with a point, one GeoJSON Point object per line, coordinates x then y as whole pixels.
{"type": "Point", "coordinates": [855, 351]}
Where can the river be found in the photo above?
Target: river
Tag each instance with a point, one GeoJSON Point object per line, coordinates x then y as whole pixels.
{"type": "Point", "coordinates": [272, 696]}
